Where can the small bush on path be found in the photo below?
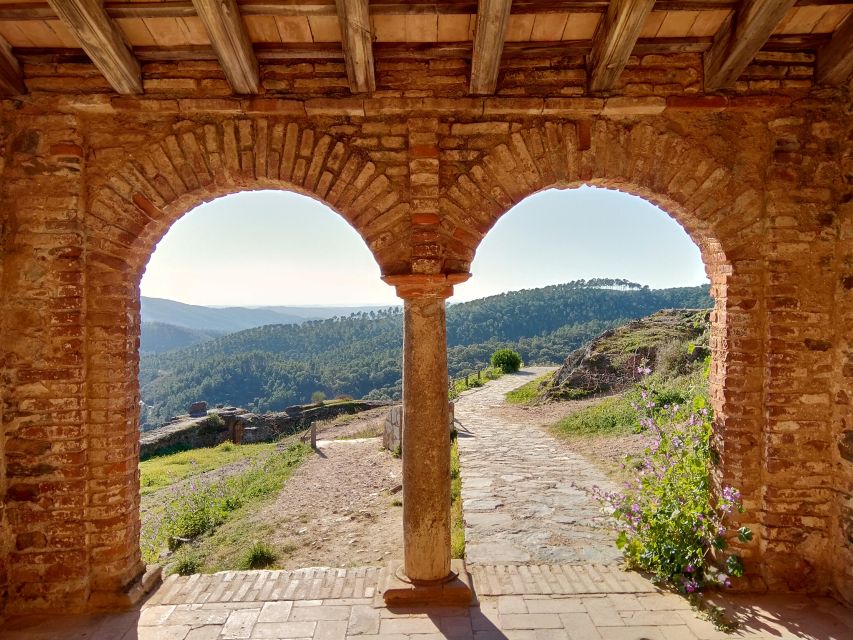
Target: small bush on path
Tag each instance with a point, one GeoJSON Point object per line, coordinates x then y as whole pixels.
{"type": "Point", "coordinates": [506, 360]}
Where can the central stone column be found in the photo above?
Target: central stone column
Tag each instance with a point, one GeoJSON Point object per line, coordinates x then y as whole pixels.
{"type": "Point", "coordinates": [426, 440]}
{"type": "Point", "coordinates": [427, 573]}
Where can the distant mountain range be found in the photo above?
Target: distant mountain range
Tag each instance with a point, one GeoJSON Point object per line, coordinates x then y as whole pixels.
{"type": "Point", "coordinates": [267, 368]}
{"type": "Point", "coordinates": [228, 319]}
{"type": "Point", "coordinates": [168, 324]}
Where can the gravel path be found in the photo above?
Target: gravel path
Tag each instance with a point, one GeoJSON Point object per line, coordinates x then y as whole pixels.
{"type": "Point", "coordinates": [524, 493]}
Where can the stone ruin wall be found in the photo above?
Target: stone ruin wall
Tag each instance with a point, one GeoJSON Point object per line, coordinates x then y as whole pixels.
{"type": "Point", "coordinates": [760, 177]}
{"type": "Point", "coordinates": [240, 426]}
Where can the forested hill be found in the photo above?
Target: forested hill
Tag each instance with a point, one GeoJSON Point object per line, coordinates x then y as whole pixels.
{"type": "Point", "coordinates": [270, 367]}
{"type": "Point", "coordinates": [532, 312]}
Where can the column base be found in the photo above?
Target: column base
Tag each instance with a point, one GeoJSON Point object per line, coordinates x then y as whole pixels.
{"type": "Point", "coordinates": [397, 590]}
{"type": "Point", "coordinates": [131, 595]}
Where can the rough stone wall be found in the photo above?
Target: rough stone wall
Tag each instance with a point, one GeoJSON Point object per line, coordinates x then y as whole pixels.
{"type": "Point", "coordinates": [91, 181]}
{"type": "Point", "coordinates": [242, 427]}
{"type": "Point", "coordinates": [392, 434]}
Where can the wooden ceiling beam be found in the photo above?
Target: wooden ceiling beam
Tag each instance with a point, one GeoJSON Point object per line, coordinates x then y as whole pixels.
{"type": "Point", "coordinates": [357, 42]}
{"type": "Point", "coordinates": [274, 52]}
{"type": "Point", "coordinates": [38, 10]}
{"type": "Point", "coordinates": [739, 38]}
{"type": "Point", "coordinates": [102, 41]}
{"type": "Point", "coordinates": [11, 78]}
{"type": "Point", "coordinates": [489, 37]}
{"type": "Point", "coordinates": [835, 59]}
{"type": "Point", "coordinates": [614, 41]}
{"type": "Point", "coordinates": [231, 42]}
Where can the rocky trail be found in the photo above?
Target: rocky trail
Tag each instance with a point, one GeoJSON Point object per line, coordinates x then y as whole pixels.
{"type": "Point", "coordinates": [526, 496]}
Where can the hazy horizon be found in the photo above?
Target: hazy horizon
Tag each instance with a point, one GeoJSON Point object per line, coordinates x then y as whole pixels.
{"type": "Point", "coordinates": [214, 255]}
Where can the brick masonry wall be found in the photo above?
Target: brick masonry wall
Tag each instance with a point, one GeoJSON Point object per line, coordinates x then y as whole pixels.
{"type": "Point", "coordinates": [91, 181]}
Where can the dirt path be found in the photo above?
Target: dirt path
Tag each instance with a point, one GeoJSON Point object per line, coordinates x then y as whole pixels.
{"type": "Point", "coordinates": [525, 494]}
{"type": "Point", "coordinates": [338, 509]}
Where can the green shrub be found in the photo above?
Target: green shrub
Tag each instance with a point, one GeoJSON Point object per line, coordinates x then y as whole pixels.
{"type": "Point", "coordinates": [318, 397]}
{"type": "Point", "coordinates": [186, 563]}
{"type": "Point", "coordinates": [259, 556]}
{"type": "Point", "coordinates": [506, 360]}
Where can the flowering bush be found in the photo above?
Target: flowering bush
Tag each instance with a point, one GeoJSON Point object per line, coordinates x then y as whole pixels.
{"type": "Point", "coordinates": [669, 519]}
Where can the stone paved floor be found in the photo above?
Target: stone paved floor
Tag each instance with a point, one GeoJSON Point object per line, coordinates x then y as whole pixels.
{"type": "Point", "coordinates": [557, 593]}
{"type": "Point", "coordinates": [524, 495]}
{"type": "Point", "coordinates": [279, 604]}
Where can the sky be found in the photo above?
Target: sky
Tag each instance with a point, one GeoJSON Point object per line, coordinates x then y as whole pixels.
{"type": "Point", "coordinates": [279, 248]}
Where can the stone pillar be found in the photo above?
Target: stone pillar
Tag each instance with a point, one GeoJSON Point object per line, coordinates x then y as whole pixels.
{"type": "Point", "coordinates": [426, 573]}
{"type": "Point", "coordinates": [426, 439]}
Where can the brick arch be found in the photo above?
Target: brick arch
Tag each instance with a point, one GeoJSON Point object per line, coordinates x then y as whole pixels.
{"type": "Point", "coordinates": [129, 211]}
{"type": "Point", "coordinates": [681, 177]}
{"type": "Point", "coordinates": [135, 206]}
{"type": "Point", "coordinates": [721, 211]}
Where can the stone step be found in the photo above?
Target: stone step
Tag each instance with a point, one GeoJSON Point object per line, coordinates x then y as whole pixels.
{"type": "Point", "coordinates": [319, 583]}
{"type": "Point", "coordinates": [555, 579]}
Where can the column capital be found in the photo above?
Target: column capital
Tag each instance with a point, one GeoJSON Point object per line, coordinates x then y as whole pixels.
{"type": "Point", "coordinates": [425, 285]}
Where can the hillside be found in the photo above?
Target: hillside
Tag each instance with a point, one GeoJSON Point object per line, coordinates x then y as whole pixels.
{"type": "Point", "coordinates": [230, 319]}
{"type": "Point", "coordinates": [270, 367]}
{"type": "Point", "coordinates": [157, 337]}
{"type": "Point", "coordinates": [227, 319]}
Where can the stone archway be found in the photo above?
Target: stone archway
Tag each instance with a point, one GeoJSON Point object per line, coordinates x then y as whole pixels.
{"type": "Point", "coordinates": [127, 213]}
{"type": "Point", "coordinates": [725, 211]}
{"type": "Point", "coordinates": [89, 186]}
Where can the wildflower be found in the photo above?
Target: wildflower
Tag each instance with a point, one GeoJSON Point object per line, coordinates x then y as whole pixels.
{"type": "Point", "coordinates": [635, 508]}
{"type": "Point", "coordinates": [689, 568]}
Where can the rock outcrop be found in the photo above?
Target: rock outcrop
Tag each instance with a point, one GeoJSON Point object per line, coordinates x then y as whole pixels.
{"type": "Point", "coordinates": [611, 361]}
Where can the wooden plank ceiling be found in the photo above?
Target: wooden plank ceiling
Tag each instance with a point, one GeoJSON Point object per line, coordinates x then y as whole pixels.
{"type": "Point", "coordinates": [120, 36]}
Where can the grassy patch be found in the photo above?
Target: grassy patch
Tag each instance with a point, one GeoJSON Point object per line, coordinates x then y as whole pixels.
{"type": "Point", "coordinates": [370, 431]}
{"type": "Point", "coordinates": [187, 562]}
{"type": "Point", "coordinates": [457, 524]}
{"type": "Point", "coordinates": [611, 416]}
{"type": "Point", "coordinates": [675, 397]}
{"type": "Point", "coordinates": [529, 392]}
{"type": "Point", "coordinates": [473, 381]}
{"type": "Point", "coordinates": [202, 508]}
{"type": "Point", "coordinates": [259, 556]}
{"type": "Point", "coordinates": [161, 471]}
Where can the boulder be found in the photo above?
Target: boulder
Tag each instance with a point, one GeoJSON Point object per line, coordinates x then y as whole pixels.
{"type": "Point", "coordinates": [198, 409]}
